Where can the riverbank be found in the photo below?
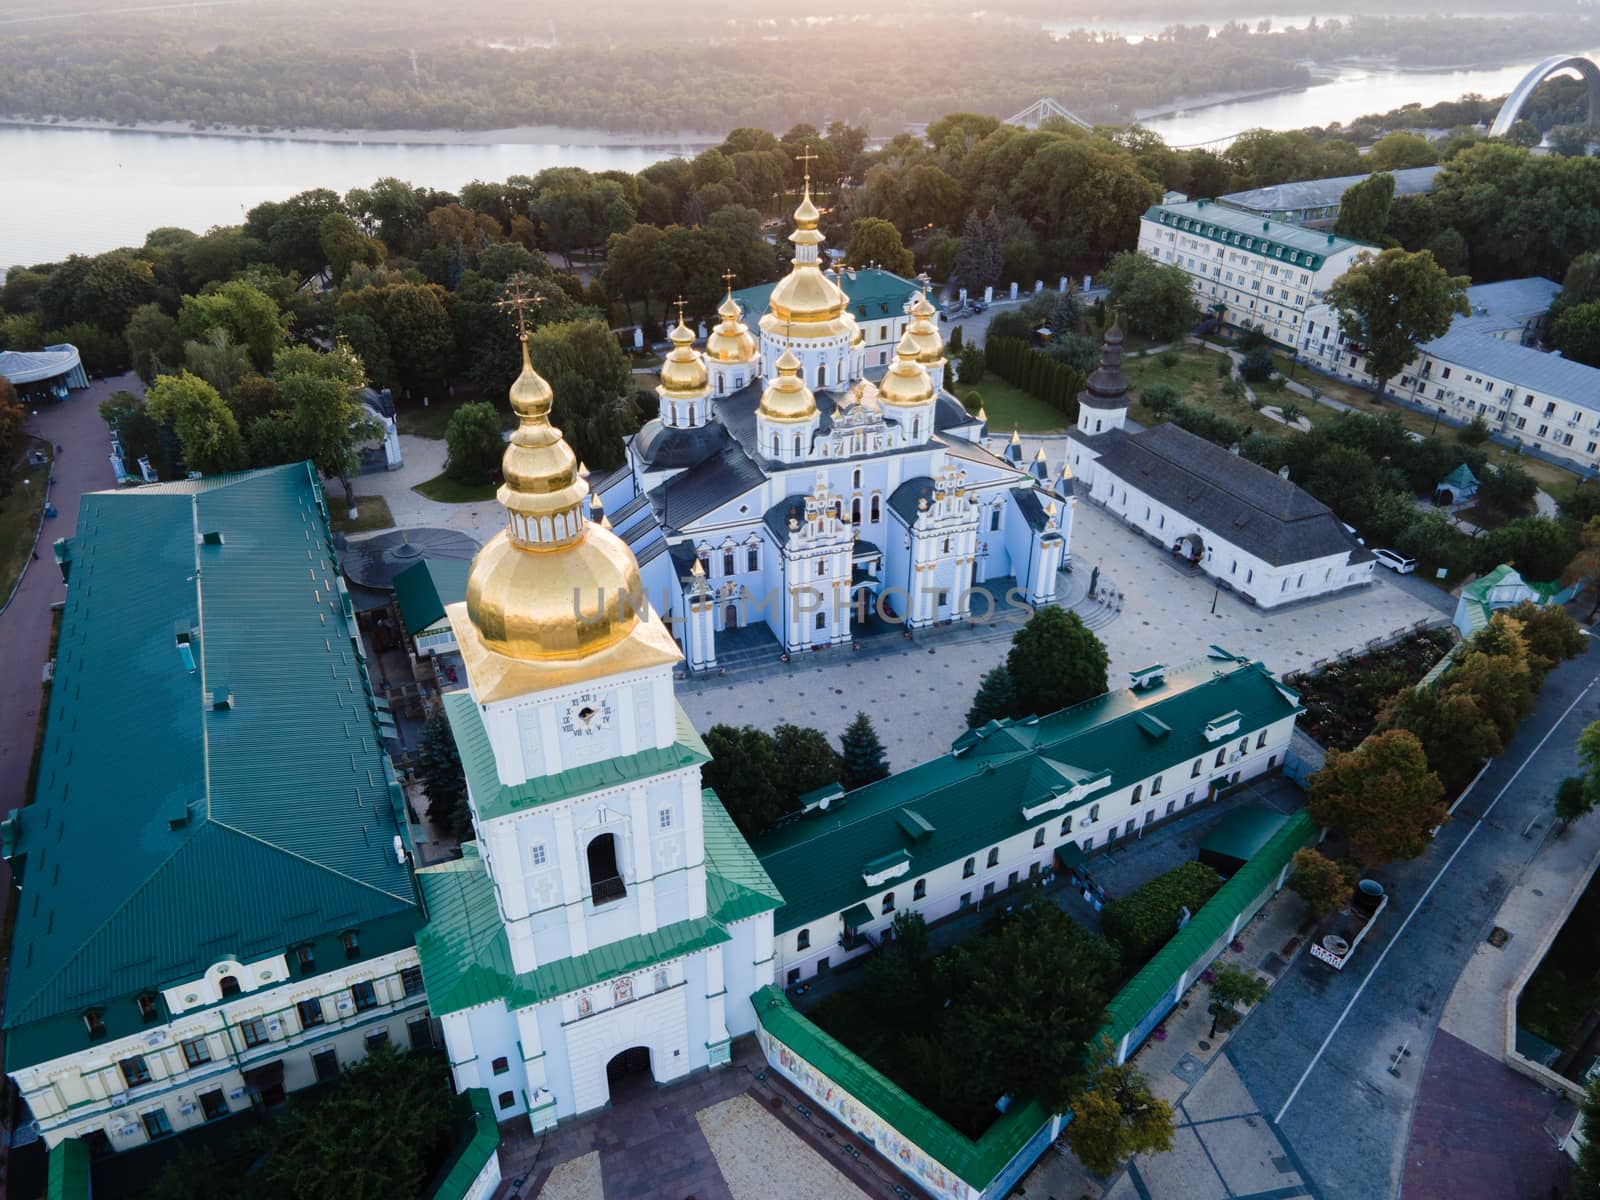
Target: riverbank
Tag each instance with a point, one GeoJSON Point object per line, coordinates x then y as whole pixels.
{"type": "Point", "coordinates": [520, 135]}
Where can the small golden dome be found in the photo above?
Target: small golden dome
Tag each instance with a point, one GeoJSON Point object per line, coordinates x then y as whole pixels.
{"type": "Point", "coordinates": [684, 372]}
{"type": "Point", "coordinates": [907, 384]}
{"type": "Point", "coordinates": [922, 308]}
{"type": "Point", "coordinates": [731, 341]}
{"type": "Point", "coordinates": [787, 398]}
{"type": "Point", "coordinates": [805, 295]}
{"type": "Point", "coordinates": [930, 346]}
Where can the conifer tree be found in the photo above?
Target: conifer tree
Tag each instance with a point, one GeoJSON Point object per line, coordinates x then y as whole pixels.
{"type": "Point", "coordinates": [864, 759]}
{"type": "Point", "coordinates": [439, 771]}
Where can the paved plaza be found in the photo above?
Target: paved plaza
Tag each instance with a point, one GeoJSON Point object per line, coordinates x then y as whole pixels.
{"type": "Point", "coordinates": [919, 698]}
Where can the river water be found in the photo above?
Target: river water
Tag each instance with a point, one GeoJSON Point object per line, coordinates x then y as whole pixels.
{"type": "Point", "coordinates": [84, 191]}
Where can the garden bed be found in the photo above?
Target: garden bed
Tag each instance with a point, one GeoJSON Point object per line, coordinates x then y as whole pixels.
{"type": "Point", "coordinates": [1561, 995]}
{"type": "Point", "coordinates": [1343, 698]}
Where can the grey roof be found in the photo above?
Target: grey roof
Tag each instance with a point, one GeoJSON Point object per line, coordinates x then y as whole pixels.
{"type": "Point", "coordinates": [1509, 304]}
{"type": "Point", "coordinates": [1550, 375]}
{"type": "Point", "coordinates": [1251, 507]}
{"type": "Point", "coordinates": [604, 483]}
{"type": "Point", "coordinates": [34, 365]}
{"type": "Point", "coordinates": [1028, 504]}
{"type": "Point", "coordinates": [659, 447]}
{"type": "Point", "coordinates": [722, 477]}
{"type": "Point", "coordinates": [1322, 193]}
{"type": "Point", "coordinates": [1108, 386]}
{"type": "Point", "coordinates": [903, 500]}
{"type": "Point", "coordinates": [1218, 222]}
{"type": "Point", "coordinates": [777, 517]}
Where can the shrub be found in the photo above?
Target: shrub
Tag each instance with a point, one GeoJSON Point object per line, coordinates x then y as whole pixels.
{"type": "Point", "coordinates": [476, 447]}
{"type": "Point", "coordinates": [1168, 358]}
{"type": "Point", "coordinates": [1140, 923]}
{"type": "Point", "coordinates": [1257, 365]}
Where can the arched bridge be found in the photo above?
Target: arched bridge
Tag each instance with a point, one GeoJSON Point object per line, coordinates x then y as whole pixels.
{"type": "Point", "coordinates": [1042, 110]}
{"type": "Point", "coordinates": [1512, 108]}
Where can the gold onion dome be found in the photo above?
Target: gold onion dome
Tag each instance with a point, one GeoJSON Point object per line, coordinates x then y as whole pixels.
{"type": "Point", "coordinates": [907, 383]}
{"type": "Point", "coordinates": [731, 341]}
{"type": "Point", "coordinates": [787, 398]}
{"type": "Point", "coordinates": [684, 371]}
{"type": "Point", "coordinates": [930, 346]}
{"type": "Point", "coordinates": [553, 587]}
{"type": "Point", "coordinates": [806, 296]}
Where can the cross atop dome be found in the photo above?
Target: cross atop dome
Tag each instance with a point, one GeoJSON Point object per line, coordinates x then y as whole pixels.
{"type": "Point", "coordinates": [516, 297]}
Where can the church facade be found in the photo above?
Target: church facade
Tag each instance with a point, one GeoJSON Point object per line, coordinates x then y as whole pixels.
{"type": "Point", "coordinates": [796, 480]}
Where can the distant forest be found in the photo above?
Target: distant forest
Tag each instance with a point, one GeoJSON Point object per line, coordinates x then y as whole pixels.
{"type": "Point", "coordinates": [367, 66]}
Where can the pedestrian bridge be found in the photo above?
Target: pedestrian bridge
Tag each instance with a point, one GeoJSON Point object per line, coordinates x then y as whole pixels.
{"type": "Point", "coordinates": [1511, 110]}
{"type": "Point", "coordinates": [1042, 110]}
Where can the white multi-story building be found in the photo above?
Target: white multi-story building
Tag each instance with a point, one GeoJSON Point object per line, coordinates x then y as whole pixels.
{"type": "Point", "coordinates": [216, 901]}
{"type": "Point", "coordinates": [1315, 203]}
{"type": "Point", "coordinates": [1487, 366]}
{"type": "Point", "coordinates": [1246, 269]}
{"type": "Point", "coordinates": [1254, 532]}
{"type": "Point", "coordinates": [1014, 800]}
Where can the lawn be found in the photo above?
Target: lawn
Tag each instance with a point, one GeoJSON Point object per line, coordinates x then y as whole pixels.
{"type": "Point", "coordinates": [1012, 408]}
{"type": "Point", "coordinates": [1194, 377]}
{"type": "Point", "coordinates": [430, 422]}
{"type": "Point", "coordinates": [445, 490]}
{"type": "Point", "coordinates": [20, 513]}
{"type": "Point", "coordinates": [1562, 991]}
{"type": "Point", "coordinates": [372, 512]}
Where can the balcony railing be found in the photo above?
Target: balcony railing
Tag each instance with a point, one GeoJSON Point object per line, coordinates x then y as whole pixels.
{"type": "Point", "coordinates": [607, 890]}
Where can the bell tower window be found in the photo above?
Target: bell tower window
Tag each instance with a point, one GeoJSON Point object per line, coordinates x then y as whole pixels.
{"type": "Point", "coordinates": [605, 879]}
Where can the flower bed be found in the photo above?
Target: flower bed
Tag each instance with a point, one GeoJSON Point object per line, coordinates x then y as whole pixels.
{"type": "Point", "coordinates": [1342, 699]}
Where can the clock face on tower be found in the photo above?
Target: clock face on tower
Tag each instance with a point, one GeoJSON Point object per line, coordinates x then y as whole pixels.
{"type": "Point", "coordinates": [586, 714]}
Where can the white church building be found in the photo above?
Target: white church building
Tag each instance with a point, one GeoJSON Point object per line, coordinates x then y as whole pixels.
{"type": "Point", "coordinates": [789, 482]}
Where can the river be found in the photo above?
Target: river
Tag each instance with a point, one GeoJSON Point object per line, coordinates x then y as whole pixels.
{"type": "Point", "coordinates": [85, 191]}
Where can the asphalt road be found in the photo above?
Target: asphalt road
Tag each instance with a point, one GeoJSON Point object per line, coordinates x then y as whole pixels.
{"type": "Point", "coordinates": [1318, 1056]}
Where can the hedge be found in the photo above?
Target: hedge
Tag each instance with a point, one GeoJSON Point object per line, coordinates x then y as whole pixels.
{"type": "Point", "coordinates": [1045, 378]}
{"type": "Point", "coordinates": [1143, 921]}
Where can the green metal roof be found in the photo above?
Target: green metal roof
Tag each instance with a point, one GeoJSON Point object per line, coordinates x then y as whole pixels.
{"type": "Point", "coordinates": [1243, 832]}
{"type": "Point", "coordinates": [466, 959]}
{"type": "Point", "coordinates": [68, 1177]}
{"type": "Point", "coordinates": [1280, 240]}
{"type": "Point", "coordinates": [1146, 989]}
{"type": "Point", "coordinates": [973, 797]}
{"type": "Point", "coordinates": [423, 589]}
{"type": "Point", "coordinates": [856, 916]}
{"type": "Point", "coordinates": [493, 798]}
{"type": "Point", "coordinates": [976, 1162]}
{"type": "Point", "coordinates": [476, 1153]}
{"type": "Point", "coordinates": [875, 294]}
{"type": "Point", "coordinates": [168, 832]}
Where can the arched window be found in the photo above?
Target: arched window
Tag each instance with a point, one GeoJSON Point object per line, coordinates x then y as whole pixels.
{"type": "Point", "coordinates": [920, 891]}
{"type": "Point", "coordinates": [877, 513]}
{"type": "Point", "coordinates": [967, 869]}
{"type": "Point", "coordinates": [855, 511]}
{"type": "Point", "coordinates": [855, 478]}
{"type": "Point", "coordinates": [797, 445]}
{"type": "Point", "coordinates": [888, 902]}
{"type": "Point", "coordinates": [822, 375]}
{"type": "Point", "coordinates": [727, 562]}
{"type": "Point", "coordinates": [672, 416]}
{"type": "Point", "coordinates": [1138, 791]}
{"type": "Point", "coordinates": [605, 878]}
{"type": "Point", "coordinates": [721, 382]}
{"type": "Point", "coordinates": [228, 985]}
{"type": "Point", "coordinates": [774, 445]}
{"type": "Point", "coordinates": [691, 414]}
{"type": "Point", "coordinates": [946, 549]}
{"type": "Point", "coordinates": [916, 428]}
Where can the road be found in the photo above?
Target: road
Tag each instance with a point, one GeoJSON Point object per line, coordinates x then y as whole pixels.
{"type": "Point", "coordinates": [1318, 1056]}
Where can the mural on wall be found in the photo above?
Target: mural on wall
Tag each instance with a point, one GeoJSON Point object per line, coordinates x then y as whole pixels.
{"type": "Point", "coordinates": [888, 1140]}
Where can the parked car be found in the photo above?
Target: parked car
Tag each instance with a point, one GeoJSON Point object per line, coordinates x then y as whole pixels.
{"type": "Point", "coordinates": [1395, 561]}
{"type": "Point", "coordinates": [979, 306]}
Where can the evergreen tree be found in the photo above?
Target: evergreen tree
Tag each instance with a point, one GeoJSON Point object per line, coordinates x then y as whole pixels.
{"type": "Point", "coordinates": [1586, 1179]}
{"type": "Point", "coordinates": [864, 760]}
{"type": "Point", "coordinates": [439, 771]}
{"type": "Point", "coordinates": [996, 699]}
{"type": "Point", "coordinates": [1055, 662]}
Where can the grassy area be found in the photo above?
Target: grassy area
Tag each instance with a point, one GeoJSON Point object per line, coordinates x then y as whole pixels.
{"type": "Point", "coordinates": [449, 491]}
{"type": "Point", "coordinates": [1194, 377]}
{"type": "Point", "coordinates": [1562, 991]}
{"type": "Point", "coordinates": [430, 422]}
{"type": "Point", "coordinates": [372, 512]}
{"type": "Point", "coordinates": [20, 513]}
{"type": "Point", "coordinates": [1012, 408]}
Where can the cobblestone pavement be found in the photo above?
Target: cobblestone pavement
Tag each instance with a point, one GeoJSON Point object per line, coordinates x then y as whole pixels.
{"type": "Point", "coordinates": [919, 698]}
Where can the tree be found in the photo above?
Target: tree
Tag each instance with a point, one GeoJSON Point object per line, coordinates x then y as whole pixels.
{"type": "Point", "coordinates": [12, 419]}
{"type": "Point", "coordinates": [1323, 884]}
{"type": "Point", "coordinates": [1156, 299]}
{"type": "Point", "coordinates": [100, 291]}
{"type": "Point", "coordinates": [996, 699]}
{"type": "Point", "coordinates": [1232, 985]}
{"type": "Point", "coordinates": [476, 447]}
{"type": "Point", "coordinates": [318, 393]}
{"type": "Point", "coordinates": [1392, 302]}
{"type": "Point", "coordinates": [743, 772]}
{"type": "Point", "coordinates": [1381, 796]}
{"type": "Point", "coordinates": [897, 973]}
{"type": "Point", "coordinates": [208, 436]}
{"type": "Point", "coordinates": [153, 341]}
{"type": "Point", "coordinates": [1455, 732]}
{"type": "Point", "coordinates": [1144, 920]}
{"type": "Point", "coordinates": [250, 316]}
{"type": "Point", "coordinates": [1589, 760]}
{"type": "Point", "coordinates": [442, 778]}
{"type": "Point", "coordinates": [381, 1129]}
{"type": "Point", "coordinates": [217, 359]}
{"type": "Point", "coordinates": [1576, 333]}
{"type": "Point", "coordinates": [971, 364]}
{"type": "Point", "coordinates": [1400, 150]}
{"type": "Point", "coordinates": [415, 325]}
{"type": "Point", "coordinates": [1117, 1115]}
{"type": "Point", "coordinates": [1257, 365]}
{"type": "Point", "coordinates": [864, 759]}
{"type": "Point", "coordinates": [980, 257]}
{"type": "Point", "coordinates": [593, 385]}
{"type": "Point", "coordinates": [1055, 662]}
{"type": "Point", "coordinates": [1584, 566]}
{"type": "Point", "coordinates": [1538, 547]}
{"type": "Point", "coordinates": [344, 245]}
{"type": "Point", "coordinates": [1573, 800]}
{"type": "Point", "coordinates": [1586, 1179]}
{"type": "Point", "coordinates": [806, 761]}
{"type": "Point", "coordinates": [874, 241]}
{"type": "Point", "coordinates": [1549, 630]}
{"type": "Point", "coordinates": [1507, 489]}
{"type": "Point", "coordinates": [1364, 208]}
{"type": "Point", "coordinates": [137, 432]}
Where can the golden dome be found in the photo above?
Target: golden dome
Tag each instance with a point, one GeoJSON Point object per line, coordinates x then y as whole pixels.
{"type": "Point", "coordinates": [684, 372]}
{"type": "Point", "coordinates": [930, 346]}
{"type": "Point", "coordinates": [907, 383]}
{"type": "Point", "coordinates": [805, 295]}
{"type": "Point", "coordinates": [787, 398]}
{"type": "Point", "coordinates": [552, 588]}
{"type": "Point", "coordinates": [731, 341]}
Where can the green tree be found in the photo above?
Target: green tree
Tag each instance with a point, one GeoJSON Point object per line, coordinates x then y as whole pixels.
{"type": "Point", "coordinates": [442, 778]}
{"type": "Point", "coordinates": [1507, 489]}
{"type": "Point", "coordinates": [415, 325]}
{"type": "Point", "coordinates": [593, 385]}
{"type": "Point", "coordinates": [1144, 920]}
{"type": "Point", "coordinates": [1549, 631]}
{"type": "Point", "coordinates": [1323, 884]}
{"type": "Point", "coordinates": [806, 761]}
{"type": "Point", "coordinates": [1257, 365]}
{"type": "Point", "coordinates": [381, 1129]}
{"type": "Point", "coordinates": [317, 392]}
{"type": "Point", "coordinates": [862, 752]}
{"type": "Point", "coordinates": [1233, 985]}
{"type": "Point", "coordinates": [1055, 662]}
{"type": "Point", "coordinates": [208, 436]}
{"type": "Point", "coordinates": [476, 446]}
{"type": "Point", "coordinates": [743, 772]}
{"type": "Point", "coordinates": [1576, 333]}
{"type": "Point", "coordinates": [1455, 732]}
{"type": "Point", "coordinates": [996, 698]}
{"type": "Point", "coordinates": [1400, 150]}
{"type": "Point", "coordinates": [1392, 302]}
{"type": "Point", "coordinates": [1156, 299]}
{"type": "Point", "coordinates": [217, 359]}
{"type": "Point", "coordinates": [874, 241]}
{"type": "Point", "coordinates": [1586, 1179]}
{"type": "Point", "coordinates": [102, 291]}
{"type": "Point", "coordinates": [1116, 1115]}
{"type": "Point", "coordinates": [971, 364]}
{"type": "Point", "coordinates": [1573, 799]}
{"type": "Point", "coordinates": [1538, 547]}
{"type": "Point", "coordinates": [981, 256]}
{"type": "Point", "coordinates": [1381, 796]}
{"type": "Point", "coordinates": [1364, 208]}
{"type": "Point", "coordinates": [250, 316]}
{"type": "Point", "coordinates": [12, 419]}
{"type": "Point", "coordinates": [1589, 760]}
{"type": "Point", "coordinates": [344, 245]}
{"type": "Point", "coordinates": [138, 433]}
{"type": "Point", "coordinates": [153, 341]}
{"type": "Point", "coordinates": [896, 975]}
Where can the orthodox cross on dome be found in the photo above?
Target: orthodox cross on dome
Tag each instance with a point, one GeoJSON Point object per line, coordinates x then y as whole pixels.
{"type": "Point", "coordinates": [924, 279]}
{"type": "Point", "coordinates": [516, 296]}
{"type": "Point", "coordinates": [680, 303]}
{"type": "Point", "coordinates": [728, 277]}
{"type": "Point", "coordinates": [807, 158]}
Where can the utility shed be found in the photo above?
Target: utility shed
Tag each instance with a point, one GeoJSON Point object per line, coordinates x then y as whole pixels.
{"type": "Point", "coordinates": [1239, 838]}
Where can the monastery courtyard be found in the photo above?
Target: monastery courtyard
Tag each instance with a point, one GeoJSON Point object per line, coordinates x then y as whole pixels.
{"type": "Point", "coordinates": [1165, 617]}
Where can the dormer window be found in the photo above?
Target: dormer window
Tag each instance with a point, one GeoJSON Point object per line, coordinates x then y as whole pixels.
{"type": "Point", "coordinates": [147, 1008]}
{"type": "Point", "coordinates": [94, 1022]}
{"type": "Point", "coordinates": [306, 957]}
{"type": "Point", "coordinates": [352, 944]}
{"type": "Point", "coordinates": [228, 986]}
